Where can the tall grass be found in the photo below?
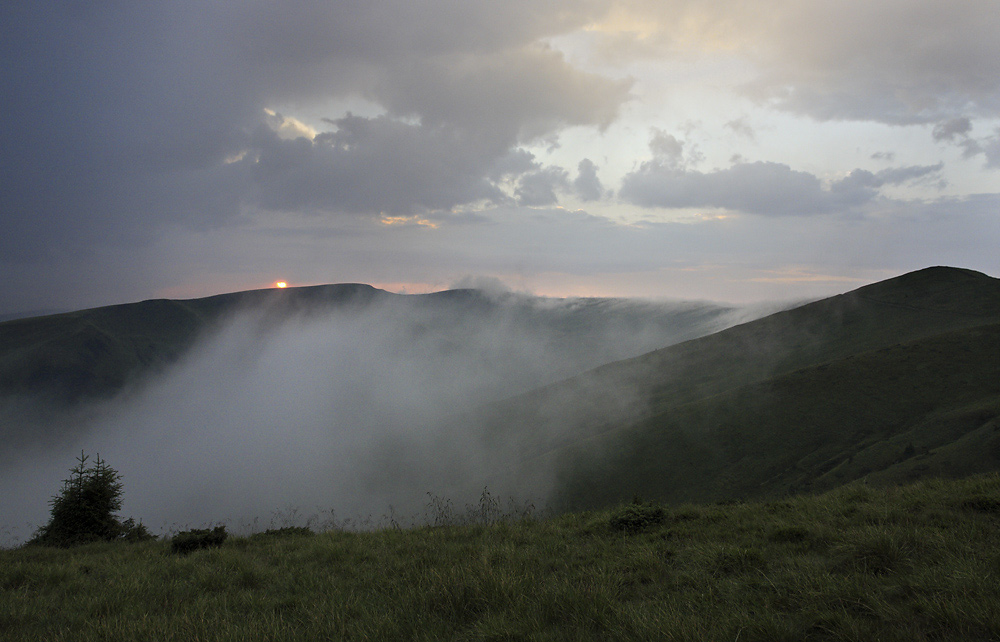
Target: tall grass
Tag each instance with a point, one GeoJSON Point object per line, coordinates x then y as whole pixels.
{"type": "Point", "coordinates": [918, 562]}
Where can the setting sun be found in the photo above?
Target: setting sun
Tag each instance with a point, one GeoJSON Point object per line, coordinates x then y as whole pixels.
{"type": "Point", "coordinates": [281, 284]}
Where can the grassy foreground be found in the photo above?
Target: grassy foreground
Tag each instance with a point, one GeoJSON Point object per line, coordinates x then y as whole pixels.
{"type": "Point", "coordinates": [919, 562]}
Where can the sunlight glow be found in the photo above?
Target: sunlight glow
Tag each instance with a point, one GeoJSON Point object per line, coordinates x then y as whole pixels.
{"type": "Point", "coordinates": [281, 284]}
{"type": "Point", "coordinates": [407, 220]}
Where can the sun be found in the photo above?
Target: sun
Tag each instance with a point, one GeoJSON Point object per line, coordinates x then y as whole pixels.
{"type": "Point", "coordinates": [280, 284]}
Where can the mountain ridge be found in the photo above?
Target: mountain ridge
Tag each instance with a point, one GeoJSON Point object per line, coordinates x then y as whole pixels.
{"type": "Point", "coordinates": [92, 354]}
{"type": "Point", "coordinates": [711, 380]}
{"type": "Point", "coordinates": [888, 382]}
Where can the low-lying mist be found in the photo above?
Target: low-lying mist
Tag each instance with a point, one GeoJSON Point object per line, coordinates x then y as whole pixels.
{"type": "Point", "coordinates": [344, 410]}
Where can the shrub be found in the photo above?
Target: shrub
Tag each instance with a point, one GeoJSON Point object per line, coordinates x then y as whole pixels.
{"type": "Point", "coordinates": [84, 510]}
{"type": "Point", "coordinates": [196, 538]}
{"type": "Point", "coordinates": [285, 531]}
{"type": "Point", "coordinates": [637, 516]}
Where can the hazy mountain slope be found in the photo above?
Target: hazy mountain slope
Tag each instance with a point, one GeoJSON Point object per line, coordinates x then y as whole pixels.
{"type": "Point", "coordinates": [807, 381]}
{"type": "Point", "coordinates": [329, 396]}
{"type": "Point", "coordinates": [95, 353]}
{"type": "Point", "coordinates": [927, 406]}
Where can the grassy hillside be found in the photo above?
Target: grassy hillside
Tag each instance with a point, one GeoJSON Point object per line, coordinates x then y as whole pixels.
{"type": "Point", "coordinates": [912, 563]}
{"type": "Point", "coordinates": [891, 381]}
{"type": "Point", "coordinates": [95, 353]}
{"type": "Point", "coordinates": [924, 407]}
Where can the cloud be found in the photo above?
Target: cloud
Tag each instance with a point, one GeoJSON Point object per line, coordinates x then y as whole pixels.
{"type": "Point", "coordinates": [901, 175]}
{"type": "Point", "coordinates": [126, 120]}
{"type": "Point", "coordinates": [991, 148]}
{"type": "Point", "coordinates": [757, 188]}
{"type": "Point", "coordinates": [667, 148]}
{"type": "Point", "coordinates": [539, 187]}
{"type": "Point", "coordinates": [586, 184]}
{"type": "Point", "coordinates": [958, 131]}
{"type": "Point", "coordinates": [740, 127]}
{"type": "Point", "coordinates": [895, 61]}
{"type": "Point", "coordinates": [934, 61]}
{"type": "Point", "coordinates": [949, 129]}
{"type": "Point", "coordinates": [372, 165]}
{"type": "Point", "coordinates": [517, 96]}
{"type": "Point", "coordinates": [763, 188]}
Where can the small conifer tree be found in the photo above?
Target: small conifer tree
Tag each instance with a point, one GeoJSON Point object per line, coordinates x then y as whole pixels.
{"type": "Point", "coordinates": [84, 510]}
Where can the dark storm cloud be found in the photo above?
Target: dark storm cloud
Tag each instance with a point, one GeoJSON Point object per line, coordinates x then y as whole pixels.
{"type": "Point", "coordinates": [372, 164]}
{"type": "Point", "coordinates": [121, 117]}
{"type": "Point", "coordinates": [762, 188]}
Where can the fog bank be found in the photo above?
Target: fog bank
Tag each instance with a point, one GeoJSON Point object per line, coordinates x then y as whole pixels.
{"type": "Point", "coordinates": [350, 411]}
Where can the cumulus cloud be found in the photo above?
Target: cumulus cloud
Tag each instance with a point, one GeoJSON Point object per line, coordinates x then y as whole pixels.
{"type": "Point", "coordinates": [586, 184]}
{"type": "Point", "coordinates": [764, 188]}
{"type": "Point", "coordinates": [667, 149]}
{"type": "Point", "coordinates": [539, 187]}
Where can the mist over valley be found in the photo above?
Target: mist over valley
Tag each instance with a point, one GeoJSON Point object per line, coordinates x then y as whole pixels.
{"type": "Point", "coordinates": [328, 398]}
{"type": "Point", "coordinates": [368, 404]}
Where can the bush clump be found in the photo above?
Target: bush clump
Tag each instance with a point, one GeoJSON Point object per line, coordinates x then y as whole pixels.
{"type": "Point", "coordinates": [196, 538]}
{"type": "Point", "coordinates": [84, 510]}
{"type": "Point", "coordinates": [285, 531]}
{"type": "Point", "coordinates": [637, 516]}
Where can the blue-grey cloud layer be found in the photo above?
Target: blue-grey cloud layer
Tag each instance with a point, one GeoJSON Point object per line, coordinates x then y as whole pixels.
{"type": "Point", "coordinates": [121, 118]}
{"type": "Point", "coordinates": [134, 133]}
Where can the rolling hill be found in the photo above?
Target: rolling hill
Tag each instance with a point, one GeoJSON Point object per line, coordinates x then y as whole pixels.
{"type": "Point", "coordinates": [890, 382]}
{"type": "Point", "coordinates": [75, 356]}
{"type": "Point", "coordinates": [92, 354]}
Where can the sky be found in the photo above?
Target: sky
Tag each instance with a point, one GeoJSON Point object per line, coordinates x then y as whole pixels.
{"type": "Point", "coordinates": [710, 149]}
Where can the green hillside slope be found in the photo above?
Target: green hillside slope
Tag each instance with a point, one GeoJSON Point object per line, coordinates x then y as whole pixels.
{"type": "Point", "coordinates": [890, 381]}
{"type": "Point", "coordinates": [95, 353]}
{"type": "Point", "coordinates": [930, 406]}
